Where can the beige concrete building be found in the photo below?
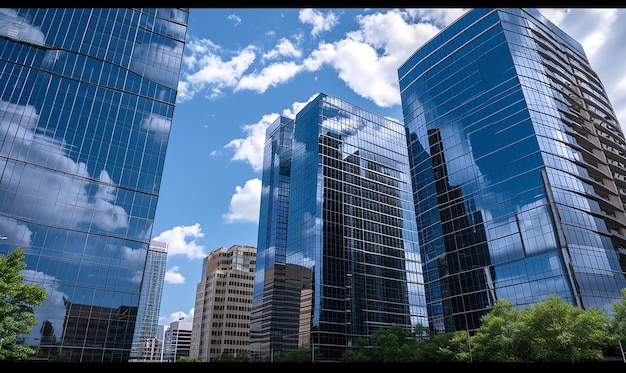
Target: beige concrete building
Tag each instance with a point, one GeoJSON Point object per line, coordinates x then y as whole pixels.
{"type": "Point", "coordinates": [221, 321]}
{"type": "Point", "coordinates": [177, 340]}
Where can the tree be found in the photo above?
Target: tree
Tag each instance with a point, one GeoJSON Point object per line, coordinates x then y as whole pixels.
{"type": "Point", "coordinates": [242, 357]}
{"type": "Point", "coordinates": [17, 300]}
{"type": "Point", "coordinates": [618, 326]}
{"type": "Point", "coordinates": [359, 351]}
{"type": "Point", "coordinates": [392, 344]}
{"type": "Point", "coordinates": [549, 331]}
{"type": "Point", "coordinates": [225, 357]}
{"type": "Point", "coordinates": [562, 332]}
{"type": "Point", "coordinates": [187, 359]}
{"type": "Point", "coordinates": [495, 340]}
{"type": "Point", "coordinates": [439, 347]}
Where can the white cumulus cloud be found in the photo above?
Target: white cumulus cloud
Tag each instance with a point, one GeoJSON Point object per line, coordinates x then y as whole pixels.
{"type": "Point", "coordinates": [245, 203]}
{"type": "Point", "coordinates": [321, 22]}
{"type": "Point", "coordinates": [173, 276]}
{"type": "Point", "coordinates": [250, 148]}
{"type": "Point", "coordinates": [181, 240]}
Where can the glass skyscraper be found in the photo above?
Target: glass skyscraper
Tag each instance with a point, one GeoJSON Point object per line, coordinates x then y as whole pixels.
{"type": "Point", "coordinates": [337, 253]}
{"type": "Point", "coordinates": [147, 326]}
{"type": "Point", "coordinates": [518, 168]}
{"type": "Point", "coordinates": [86, 103]}
{"type": "Point", "coordinates": [270, 307]}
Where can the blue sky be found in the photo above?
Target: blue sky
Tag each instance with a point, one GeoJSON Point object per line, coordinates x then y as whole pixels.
{"type": "Point", "coordinates": [243, 67]}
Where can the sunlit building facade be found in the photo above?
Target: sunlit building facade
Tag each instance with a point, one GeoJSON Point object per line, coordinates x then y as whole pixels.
{"type": "Point", "coordinates": [348, 262]}
{"type": "Point", "coordinates": [147, 326]}
{"type": "Point", "coordinates": [518, 168]}
{"type": "Point", "coordinates": [177, 341]}
{"type": "Point", "coordinates": [86, 103]}
{"type": "Point", "coordinates": [221, 318]}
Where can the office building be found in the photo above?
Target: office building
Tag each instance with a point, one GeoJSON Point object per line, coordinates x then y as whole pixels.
{"type": "Point", "coordinates": [86, 103]}
{"type": "Point", "coordinates": [148, 351]}
{"type": "Point", "coordinates": [518, 168]}
{"type": "Point", "coordinates": [147, 326]}
{"type": "Point", "coordinates": [177, 341]}
{"type": "Point", "coordinates": [221, 318]}
{"type": "Point", "coordinates": [271, 300]}
{"type": "Point", "coordinates": [337, 240]}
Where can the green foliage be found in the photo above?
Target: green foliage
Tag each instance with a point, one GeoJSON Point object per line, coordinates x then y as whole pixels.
{"type": "Point", "coordinates": [187, 359]}
{"type": "Point", "coordinates": [549, 331]}
{"type": "Point", "coordinates": [618, 324]}
{"type": "Point", "coordinates": [17, 300]}
{"type": "Point", "coordinates": [561, 332]}
{"type": "Point", "coordinates": [390, 344]}
{"type": "Point", "coordinates": [393, 344]}
{"type": "Point", "coordinates": [495, 339]}
{"type": "Point", "coordinates": [458, 348]}
{"type": "Point", "coordinates": [437, 348]}
{"type": "Point", "coordinates": [242, 357]}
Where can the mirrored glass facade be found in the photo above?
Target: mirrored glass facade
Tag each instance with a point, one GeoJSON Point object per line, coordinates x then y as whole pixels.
{"type": "Point", "coordinates": [518, 169]}
{"type": "Point", "coordinates": [86, 103]}
{"type": "Point", "coordinates": [348, 262]}
{"type": "Point", "coordinates": [147, 326]}
{"type": "Point", "coordinates": [271, 299]}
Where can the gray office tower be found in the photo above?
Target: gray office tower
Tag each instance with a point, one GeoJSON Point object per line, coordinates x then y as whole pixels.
{"type": "Point", "coordinates": [337, 250]}
{"type": "Point", "coordinates": [518, 168]}
{"type": "Point", "coordinates": [86, 103]}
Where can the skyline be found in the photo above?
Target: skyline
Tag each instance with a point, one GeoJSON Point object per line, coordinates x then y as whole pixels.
{"type": "Point", "coordinates": [271, 62]}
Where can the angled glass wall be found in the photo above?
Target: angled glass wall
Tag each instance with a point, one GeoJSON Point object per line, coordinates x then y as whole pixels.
{"type": "Point", "coordinates": [86, 103]}
{"type": "Point", "coordinates": [517, 163]}
{"type": "Point", "coordinates": [270, 293]}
